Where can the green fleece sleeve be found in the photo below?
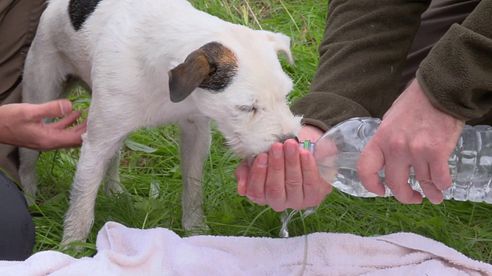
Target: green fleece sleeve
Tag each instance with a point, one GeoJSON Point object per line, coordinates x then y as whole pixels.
{"type": "Point", "coordinates": [457, 73]}
{"type": "Point", "coordinates": [361, 57]}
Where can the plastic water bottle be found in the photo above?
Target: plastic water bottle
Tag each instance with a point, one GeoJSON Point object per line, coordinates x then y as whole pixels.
{"type": "Point", "coordinates": [470, 164]}
{"type": "Point", "coordinates": [338, 150]}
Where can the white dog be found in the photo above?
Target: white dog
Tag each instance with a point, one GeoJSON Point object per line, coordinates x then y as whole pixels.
{"type": "Point", "coordinates": [155, 62]}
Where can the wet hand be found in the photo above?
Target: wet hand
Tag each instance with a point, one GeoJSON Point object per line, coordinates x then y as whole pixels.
{"type": "Point", "coordinates": [285, 177]}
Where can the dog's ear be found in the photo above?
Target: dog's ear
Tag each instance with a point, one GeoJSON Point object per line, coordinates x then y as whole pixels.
{"type": "Point", "coordinates": [187, 76]}
{"type": "Point", "coordinates": [211, 67]}
{"type": "Point", "coordinates": [281, 44]}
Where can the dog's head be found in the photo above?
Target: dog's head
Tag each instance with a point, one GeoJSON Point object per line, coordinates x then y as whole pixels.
{"type": "Point", "coordinates": [240, 84]}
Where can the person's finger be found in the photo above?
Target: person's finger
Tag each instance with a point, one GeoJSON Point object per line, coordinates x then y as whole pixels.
{"type": "Point", "coordinates": [431, 192]}
{"type": "Point", "coordinates": [80, 128]}
{"type": "Point", "coordinates": [53, 109]}
{"type": "Point", "coordinates": [56, 139]}
{"type": "Point", "coordinates": [293, 175]}
{"type": "Point", "coordinates": [420, 153]}
{"type": "Point", "coordinates": [326, 189]}
{"type": "Point", "coordinates": [255, 190]}
{"type": "Point", "coordinates": [275, 181]}
{"type": "Point", "coordinates": [66, 121]}
{"type": "Point", "coordinates": [396, 177]}
{"type": "Point", "coordinates": [315, 188]}
{"type": "Point", "coordinates": [422, 175]}
{"type": "Point", "coordinates": [371, 161]}
{"type": "Point", "coordinates": [241, 173]}
{"type": "Point", "coordinates": [439, 171]}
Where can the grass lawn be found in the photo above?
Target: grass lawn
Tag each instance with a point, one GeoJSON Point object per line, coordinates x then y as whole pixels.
{"type": "Point", "coordinates": [150, 169]}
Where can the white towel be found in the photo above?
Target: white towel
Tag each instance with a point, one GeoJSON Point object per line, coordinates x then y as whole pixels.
{"type": "Point", "coordinates": [159, 251]}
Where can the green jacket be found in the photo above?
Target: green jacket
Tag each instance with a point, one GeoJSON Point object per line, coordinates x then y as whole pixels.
{"type": "Point", "coordinates": [18, 23]}
{"type": "Point", "coordinates": [365, 47]}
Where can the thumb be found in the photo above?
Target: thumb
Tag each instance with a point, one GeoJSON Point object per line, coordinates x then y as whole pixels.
{"type": "Point", "coordinates": [370, 163]}
{"type": "Point", "coordinates": [53, 109]}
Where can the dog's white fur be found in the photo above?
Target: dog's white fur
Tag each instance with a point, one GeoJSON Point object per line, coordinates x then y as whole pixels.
{"type": "Point", "coordinates": [124, 52]}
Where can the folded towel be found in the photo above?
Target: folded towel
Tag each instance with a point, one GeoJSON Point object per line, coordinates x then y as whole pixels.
{"type": "Point", "coordinates": [159, 251]}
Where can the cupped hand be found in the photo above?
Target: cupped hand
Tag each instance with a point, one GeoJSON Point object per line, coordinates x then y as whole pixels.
{"type": "Point", "coordinates": [24, 125]}
{"type": "Point", "coordinates": [413, 133]}
{"type": "Point", "coordinates": [285, 177]}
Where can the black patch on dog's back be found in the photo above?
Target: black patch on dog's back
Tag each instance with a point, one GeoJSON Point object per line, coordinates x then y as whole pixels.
{"type": "Point", "coordinates": [80, 10]}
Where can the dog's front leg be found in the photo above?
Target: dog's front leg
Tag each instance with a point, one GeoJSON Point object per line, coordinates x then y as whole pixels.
{"type": "Point", "coordinates": [95, 156]}
{"type": "Point", "coordinates": [105, 135]}
{"type": "Point", "coordinates": [195, 144]}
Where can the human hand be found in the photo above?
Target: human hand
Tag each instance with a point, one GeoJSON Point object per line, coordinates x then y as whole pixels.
{"type": "Point", "coordinates": [415, 134]}
{"type": "Point", "coordinates": [23, 125]}
{"type": "Point", "coordinates": [285, 177]}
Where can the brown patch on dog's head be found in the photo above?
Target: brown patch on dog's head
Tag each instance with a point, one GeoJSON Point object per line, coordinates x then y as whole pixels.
{"type": "Point", "coordinates": [211, 67]}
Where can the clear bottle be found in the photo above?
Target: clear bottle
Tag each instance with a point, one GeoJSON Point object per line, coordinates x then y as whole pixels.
{"type": "Point", "coordinates": [338, 150]}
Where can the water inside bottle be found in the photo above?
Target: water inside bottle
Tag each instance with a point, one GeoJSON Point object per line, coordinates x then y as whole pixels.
{"type": "Point", "coordinates": [470, 164]}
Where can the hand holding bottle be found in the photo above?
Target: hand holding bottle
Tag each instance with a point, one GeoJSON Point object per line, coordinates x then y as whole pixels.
{"type": "Point", "coordinates": [415, 134]}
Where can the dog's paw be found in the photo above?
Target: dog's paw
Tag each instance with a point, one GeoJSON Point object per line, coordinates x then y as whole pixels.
{"type": "Point", "coordinates": [197, 230]}
{"type": "Point", "coordinates": [74, 248]}
{"type": "Point", "coordinates": [70, 240]}
{"type": "Point", "coordinates": [113, 187]}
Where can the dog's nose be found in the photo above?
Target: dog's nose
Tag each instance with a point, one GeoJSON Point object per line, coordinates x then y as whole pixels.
{"type": "Point", "coordinates": [285, 137]}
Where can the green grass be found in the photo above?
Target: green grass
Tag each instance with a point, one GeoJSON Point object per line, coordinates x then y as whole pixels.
{"type": "Point", "coordinates": [464, 226]}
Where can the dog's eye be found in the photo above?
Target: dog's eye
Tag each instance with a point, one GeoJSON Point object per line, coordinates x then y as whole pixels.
{"type": "Point", "coordinates": [247, 108]}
